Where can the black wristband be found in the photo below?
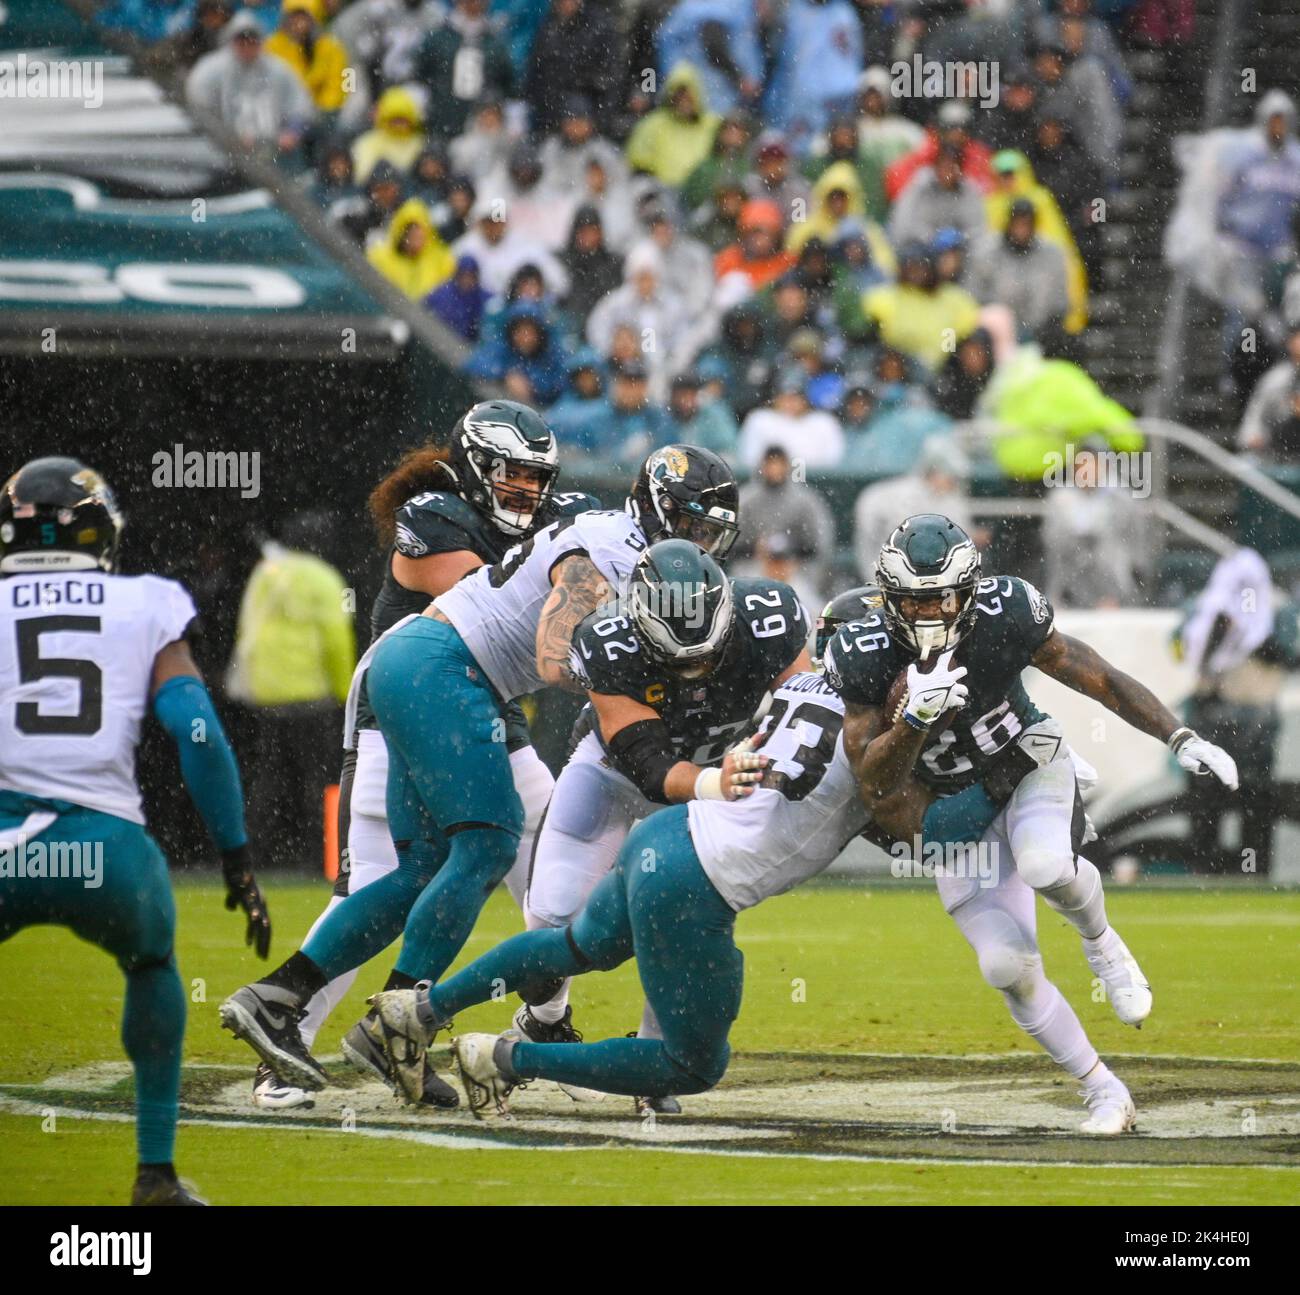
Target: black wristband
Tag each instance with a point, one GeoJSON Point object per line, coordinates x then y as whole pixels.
{"type": "Point", "coordinates": [236, 862]}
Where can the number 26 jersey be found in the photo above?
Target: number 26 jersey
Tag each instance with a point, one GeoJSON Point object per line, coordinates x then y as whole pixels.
{"type": "Point", "coordinates": [1012, 621]}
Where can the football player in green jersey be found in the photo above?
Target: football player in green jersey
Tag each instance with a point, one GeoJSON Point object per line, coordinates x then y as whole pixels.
{"type": "Point", "coordinates": [963, 642]}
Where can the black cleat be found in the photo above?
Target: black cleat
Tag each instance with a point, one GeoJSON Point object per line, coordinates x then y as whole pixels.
{"type": "Point", "coordinates": [266, 1018]}
{"type": "Point", "coordinates": [654, 1105]}
{"type": "Point", "coordinates": [527, 1026]}
{"type": "Point", "coordinates": [158, 1185]}
{"type": "Point", "coordinates": [363, 1046]}
{"type": "Point", "coordinates": [657, 1105]}
{"type": "Point", "coordinates": [536, 1031]}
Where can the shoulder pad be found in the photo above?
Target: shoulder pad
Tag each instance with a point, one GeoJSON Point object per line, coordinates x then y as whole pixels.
{"type": "Point", "coordinates": [860, 662]}
{"type": "Point", "coordinates": [569, 502]}
{"type": "Point", "coordinates": [437, 522]}
{"type": "Point", "coordinates": [773, 616]}
{"type": "Point", "coordinates": [1028, 609]}
{"type": "Point", "coordinates": [606, 655]}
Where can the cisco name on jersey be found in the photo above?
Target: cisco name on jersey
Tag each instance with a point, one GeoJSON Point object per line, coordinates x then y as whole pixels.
{"type": "Point", "coordinates": [1012, 621]}
{"type": "Point", "coordinates": [703, 716]}
{"type": "Point", "coordinates": [77, 653]}
{"type": "Point", "coordinates": [496, 609]}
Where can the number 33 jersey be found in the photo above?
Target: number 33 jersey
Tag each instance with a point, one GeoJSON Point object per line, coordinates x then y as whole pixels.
{"type": "Point", "coordinates": [804, 812]}
{"type": "Point", "coordinates": [1012, 621]}
{"type": "Point", "coordinates": [77, 652]}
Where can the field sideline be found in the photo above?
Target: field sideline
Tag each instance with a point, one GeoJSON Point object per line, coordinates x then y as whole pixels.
{"type": "Point", "coordinates": [872, 1065]}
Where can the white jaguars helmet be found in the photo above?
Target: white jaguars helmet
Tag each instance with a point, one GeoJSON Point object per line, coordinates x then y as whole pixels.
{"type": "Point", "coordinates": [490, 437]}
{"type": "Point", "coordinates": [928, 557]}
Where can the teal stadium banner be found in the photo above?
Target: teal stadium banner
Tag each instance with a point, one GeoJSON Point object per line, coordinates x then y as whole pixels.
{"type": "Point", "coordinates": [120, 220]}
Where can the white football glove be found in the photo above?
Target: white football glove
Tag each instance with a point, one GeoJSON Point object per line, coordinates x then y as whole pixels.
{"type": "Point", "coordinates": [1196, 755]}
{"type": "Point", "coordinates": [932, 692]}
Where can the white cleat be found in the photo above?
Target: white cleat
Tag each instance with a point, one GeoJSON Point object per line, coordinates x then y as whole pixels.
{"type": "Point", "coordinates": [405, 1039]}
{"type": "Point", "coordinates": [272, 1094]}
{"type": "Point", "coordinates": [486, 1088]}
{"type": "Point", "coordinates": [1126, 986]}
{"type": "Point", "coordinates": [1111, 1110]}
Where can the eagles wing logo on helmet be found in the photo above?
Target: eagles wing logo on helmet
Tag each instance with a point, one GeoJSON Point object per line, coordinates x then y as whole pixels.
{"type": "Point", "coordinates": [489, 439]}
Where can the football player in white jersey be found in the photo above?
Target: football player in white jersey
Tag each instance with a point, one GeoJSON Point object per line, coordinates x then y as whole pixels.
{"type": "Point", "coordinates": [83, 653]}
{"type": "Point", "coordinates": [440, 513]}
{"type": "Point", "coordinates": [436, 683]}
{"type": "Point", "coordinates": [671, 901]}
{"type": "Point", "coordinates": [964, 642]}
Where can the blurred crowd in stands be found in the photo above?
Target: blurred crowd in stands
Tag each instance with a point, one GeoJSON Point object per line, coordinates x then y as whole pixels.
{"type": "Point", "coordinates": [769, 227]}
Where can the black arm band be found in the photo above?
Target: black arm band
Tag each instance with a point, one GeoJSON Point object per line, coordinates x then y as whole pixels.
{"type": "Point", "coordinates": [642, 753]}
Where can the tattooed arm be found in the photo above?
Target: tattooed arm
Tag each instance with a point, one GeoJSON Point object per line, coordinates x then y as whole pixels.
{"type": "Point", "coordinates": [1078, 666]}
{"type": "Point", "coordinates": [576, 589]}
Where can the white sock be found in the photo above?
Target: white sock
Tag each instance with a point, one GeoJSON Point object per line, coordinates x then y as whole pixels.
{"type": "Point", "coordinates": [1098, 1077]}
{"type": "Point", "coordinates": [553, 1009]}
{"type": "Point", "coordinates": [1081, 901]}
{"type": "Point", "coordinates": [1049, 1020]}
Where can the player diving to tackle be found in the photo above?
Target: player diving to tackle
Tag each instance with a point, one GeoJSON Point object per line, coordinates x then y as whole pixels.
{"type": "Point", "coordinates": [435, 684]}
{"type": "Point", "coordinates": [671, 901]}
{"type": "Point", "coordinates": [83, 652]}
{"type": "Point", "coordinates": [439, 514]}
{"type": "Point", "coordinates": [671, 684]}
{"type": "Point", "coordinates": [977, 636]}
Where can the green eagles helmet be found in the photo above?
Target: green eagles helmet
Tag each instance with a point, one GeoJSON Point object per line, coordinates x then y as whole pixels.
{"type": "Point", "coordinates": [489, 437]}
{"type": "Point", "coordinates": [928, 559]}
{"type": "Point", "coordinates": [56, 514]}
{"type": "Point", "coordinates": [681, 605]}
{"type": "Point", "coordinates": [851, 605]}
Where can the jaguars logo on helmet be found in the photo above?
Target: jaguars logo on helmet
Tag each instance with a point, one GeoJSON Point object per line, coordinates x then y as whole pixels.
{"type": "Point", "coordinates": [928, 559]}
{"type": "Point", "coordinates": [58, 514]}
{"type": "Point", "coordinates": [681, 606]}
{"type": "Point", "coordinates": [684, 492]}
{"type": "Point", "coordinates": [489, 438]}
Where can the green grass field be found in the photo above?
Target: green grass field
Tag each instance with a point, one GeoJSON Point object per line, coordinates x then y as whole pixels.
{"type": "Point", "coordinates": [872, 1064]}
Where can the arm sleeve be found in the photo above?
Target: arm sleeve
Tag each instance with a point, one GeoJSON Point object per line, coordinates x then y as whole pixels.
{"type": "Point", "coordinates": [185, 710]}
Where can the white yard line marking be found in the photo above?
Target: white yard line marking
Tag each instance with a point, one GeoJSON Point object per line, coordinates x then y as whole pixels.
{"type": "Point", "coordinates": [448, 1142]}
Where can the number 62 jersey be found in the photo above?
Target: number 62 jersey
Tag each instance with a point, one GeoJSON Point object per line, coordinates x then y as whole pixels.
{"type": "Point", "coordinates": [1012, 622]}
{"type": "Point", "coordinates": [703, 716]}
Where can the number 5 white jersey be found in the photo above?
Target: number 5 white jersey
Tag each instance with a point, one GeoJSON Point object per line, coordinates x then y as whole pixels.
{"type": "Point", "coordinates": [496, 609]}
{"type": "Point", "coordinates": [76, 659]}
{"type": "Point", "coordinates": [805, 811]}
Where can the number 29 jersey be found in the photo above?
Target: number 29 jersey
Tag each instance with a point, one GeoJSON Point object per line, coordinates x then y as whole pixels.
{"type": "Point", "coordinates": [804, 812]}
{"type": "Point", "coordinates": [77, 652]}
{"type": "Point", "coordinates": [1012, 621]}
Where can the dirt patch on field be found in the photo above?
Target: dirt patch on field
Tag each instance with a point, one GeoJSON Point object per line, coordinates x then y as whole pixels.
{"type": "Point", "coordinates": [1191, 1112]}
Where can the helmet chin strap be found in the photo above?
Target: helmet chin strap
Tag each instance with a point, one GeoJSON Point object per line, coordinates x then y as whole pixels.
{"type": "Point", "coordinates": [931, 636]}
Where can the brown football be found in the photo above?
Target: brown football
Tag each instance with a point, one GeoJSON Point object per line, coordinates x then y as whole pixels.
{"type": "Point", "coordinates": [896, 699]}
